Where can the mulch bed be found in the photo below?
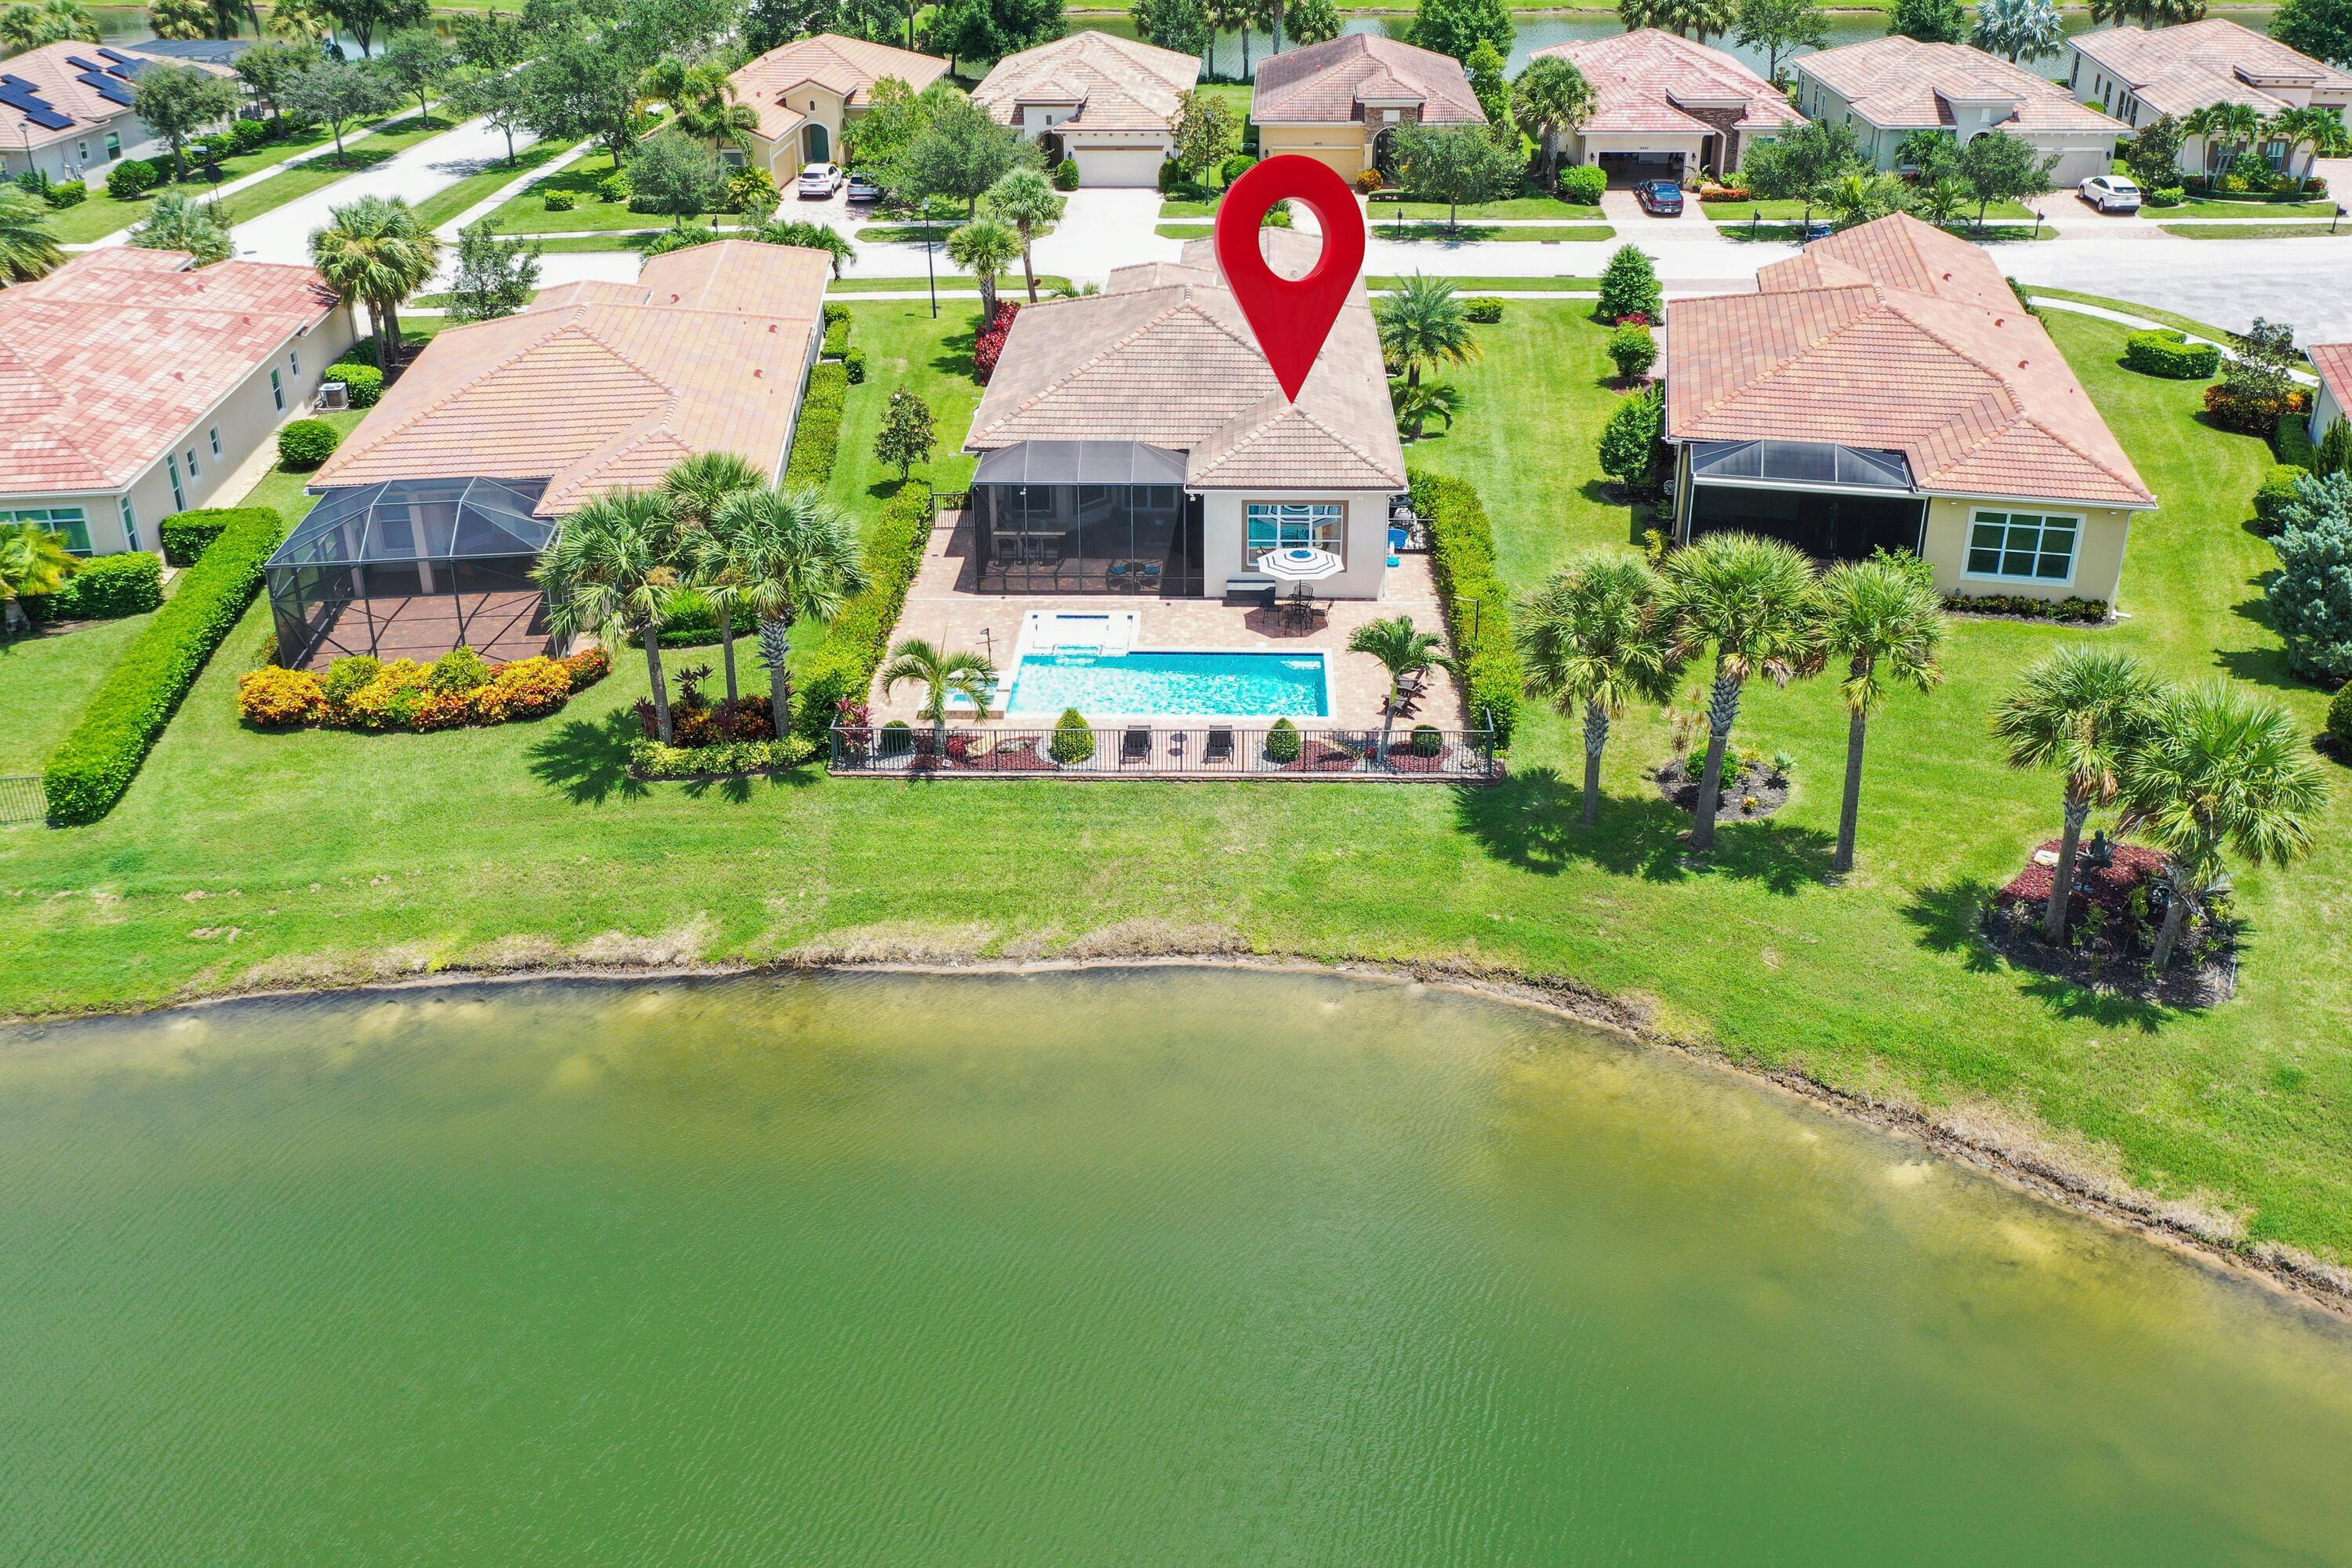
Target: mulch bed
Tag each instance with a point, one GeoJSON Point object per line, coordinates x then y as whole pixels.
{"type": "Point", "coordinates": [2113, 958]}
{"type": "Point", "coordinates": [1681, 788]}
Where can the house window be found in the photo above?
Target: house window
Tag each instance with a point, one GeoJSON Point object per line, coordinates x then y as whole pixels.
{"type": "Point", "coordinates": [277, 391]}
{"type": "Point", "coordinates": [1278, 525]}
{"type": "Point", "coordinates": [69, 520]}
{"type": "Point", "coordinates": [171, 467]}
{"type": "Point", "coordinates": [213, 436]}
{"type": "Point", "coordinates": [114, 146]}
{"type": "Point", "coordinates": [81, 151]}
{"type": "Point", "coordinates": [2023, 546]}
{"type": "Point", "coordinates": [130, 521]}
{"type": "Point", "coordinates": [194, 472]}
{"type": "Point", "coordinates": [294, 364]}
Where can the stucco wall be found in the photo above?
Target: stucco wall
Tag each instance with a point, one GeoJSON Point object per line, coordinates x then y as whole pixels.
{"type": "Point", "coordinates": [1222, 539]}
{"type": "Point", "coordinates": [2098, 554]}
{"type": "Point", "coordinates": [2324, 412]}
{"type": "Point", "coordinates": [783, 159]}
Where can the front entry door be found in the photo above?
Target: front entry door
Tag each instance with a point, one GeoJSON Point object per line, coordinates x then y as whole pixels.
{"type": "Point", "coordinates": [819, 145]}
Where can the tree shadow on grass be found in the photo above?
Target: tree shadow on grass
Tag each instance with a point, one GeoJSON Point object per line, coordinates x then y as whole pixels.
{"type": "Point", "coordinates": [588, 759]}
{"type": "Point", "coordinates": [1948, 921]}
{"type": "Point", "coordinates": [1531, 820]}
{"type": "Point", "coordinates": [955, 358]}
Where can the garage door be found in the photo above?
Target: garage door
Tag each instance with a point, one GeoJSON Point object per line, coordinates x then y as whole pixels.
{"type": "Point", "coordinates": [1625, 169]}
{"type": "Point", "coordinates": [2076, 164]}
{"type": "Point", "coordinates": [1101, 166]}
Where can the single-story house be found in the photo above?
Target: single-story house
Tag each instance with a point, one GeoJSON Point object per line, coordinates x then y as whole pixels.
{"type": "Point", "coordinates": [133, 384]}
{"type": "Point", "coordinates": [434, 509]}
{"type": "Point", "coordinates": [1890, 87]}
{"type": "Point", "coordinates": [2332, 401]}
{"type": "Point", "coordinates": [1885, 389]}
{"type": "Point", "coordinates": [1135, 438]}
{"type": "Point", "coordinates": [2139, 74]}
{"type": "Point", "coordinates": [1341, 102]}
{"type": "Point", "coordinates": [808, 92]}
{"type": "Point", "coordinates": [65, 109]}
{"type": "Point", "coordinates": [1666, 108]}
{"type": "Point", "coordinates": [1107, 102]}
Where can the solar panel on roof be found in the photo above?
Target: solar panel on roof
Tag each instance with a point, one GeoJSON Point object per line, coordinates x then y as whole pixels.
{"type": "Point", "coordinates": [109, 54]}
{"type": "Point", "coordinates": [18, 94]}
{"type": "Point", "coordinates": [48, 118]}
{"type": "Point", "coordinates": [107, 88]}
{"type": "Point", "coordinates": [80, 64]}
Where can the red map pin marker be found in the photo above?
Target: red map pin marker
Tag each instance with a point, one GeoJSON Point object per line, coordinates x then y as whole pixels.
{"type": "Point", "coordinates": [1291, 316]}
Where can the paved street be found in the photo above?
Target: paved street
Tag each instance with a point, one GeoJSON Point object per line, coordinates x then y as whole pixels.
{"type": "Point", "coordinates": [419, 172]}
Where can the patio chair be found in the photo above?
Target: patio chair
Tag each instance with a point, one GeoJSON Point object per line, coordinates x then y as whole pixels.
{"type": "Point", "coordinates": [1135, 746]}
{"type": "Point", "coordinates": [1219, 748]}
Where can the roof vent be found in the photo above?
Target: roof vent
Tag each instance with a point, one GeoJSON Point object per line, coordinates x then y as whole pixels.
{"type": "Point", "coordinates": [2022, 364]}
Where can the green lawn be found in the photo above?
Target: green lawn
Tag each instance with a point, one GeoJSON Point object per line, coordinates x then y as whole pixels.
{"type": "Point", "coordinates": [1740, 212]}
{"type": "Point", "coordinates": [527, 213]}
{"type": "Point", "coordinates": [1992, 234]}
{"type": "Point", "coordinates": [2250, 230]}
{"type": "Point", "coordinates": [951, 284]}
{"type": "Point", "coordinates": [1468, 233]}
{"type": "Point", "coordinates": [2242, 209]}
{"type": "Point", "coordinates": [1497, 285]}
{"type": "Point", "coordinates": [341, 855]}
{"type": "Point", "coordinates": [1516, 207]}
{"type": "Point", "coordinates": [2189, 324]}
{"type": "Point", "coordinates": [448, 201]}
{"type": "Point", "coordinates": [48, 679]}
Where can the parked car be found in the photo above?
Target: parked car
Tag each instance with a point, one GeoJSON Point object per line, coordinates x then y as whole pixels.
{"type": "Point", "coordinates": [1818, 228]}
{"type": "Point", "coordinates": [821, 179]}
{"type": "Point", "coordinates": [864, 188]}
{"type": "Point", "coordinates": [1660, 198]}
{"type": "Point", "coordinates": [2111, 194]}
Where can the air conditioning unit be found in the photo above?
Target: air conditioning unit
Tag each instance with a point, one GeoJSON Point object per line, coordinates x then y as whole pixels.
{"type": "Point", "coordinates": [333, 394]}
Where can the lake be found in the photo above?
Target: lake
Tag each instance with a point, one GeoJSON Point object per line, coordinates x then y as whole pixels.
{"type": "Point", "coordinates": [1127, 1266]}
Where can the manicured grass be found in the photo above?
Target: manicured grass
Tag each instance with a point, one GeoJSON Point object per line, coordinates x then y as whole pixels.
{"type": "Point", "coordinates": [2242, 209]}
{"type": "Point", "coordinates": [48, 679]}
{"type": "Point", "coordinates": [1740, 212]}
{"type": "Point", "coordinates": [953, 284]}
{"type": "Point", "coordinates": [1992, 234]}
{"type": "Point", "coordinates": [1497, 285]}
{"type": "Point", "coordinates": [1516, 207]}
{"type": "Point", "coordinates": [451, 200]}
{"type": "Point", "coordinates": [527, 213]}
{"type": "Point", "coordinates": [1472, 233]}
{"type": "Point", "coordinates": [2251, 231]}
{"type": "Point", "coordinates": [2189, 324]}
{"type": "Point", "coordinates": [337, 853]}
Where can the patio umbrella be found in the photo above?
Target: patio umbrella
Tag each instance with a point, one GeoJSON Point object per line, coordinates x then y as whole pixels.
{"type": "Point", "coordinates": [1300, 564]}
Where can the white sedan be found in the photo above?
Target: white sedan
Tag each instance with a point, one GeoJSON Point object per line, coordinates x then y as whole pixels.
{"type": "Point", "coordinates": [821, 179]}
{"type": "Point", "coordinates": [2111, 194]}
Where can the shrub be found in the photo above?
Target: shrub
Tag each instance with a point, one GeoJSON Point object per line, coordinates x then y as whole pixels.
{"type": "Point", "coordinates": [347, 675]}
{"type": "Point", "coordinates": [684, 238]}
{"type": "Point", "coordinates": [71, 193]}
{"type": "Point", "coordinates": [2270, 497]}
{"type": "Point", "coordinates": [819, 431]}
{"type": "Point", "coordinates": [842, 665]}
{"type": "Point", "coordinates": [2247, 416]}
{"type": "Point", "coordinates": [587, 666]}
{"type": "Point", "coordinates": [2165, 197]}
{"type": "Point", "coordinates": [363, 352]}
{"type": "Point", "coordinates": [2339, 720]}
{"type": "Point", "coordinates": [1629, 441]}
{"type": "Point", "coordinates": [461, 669]}
{"type": "Point", "coordinates": [1629, 286]}
{"type": "Point", "coordinates": [2310, 598]}
{"type": "Point", "coordinates": [1484, 310]}
{"type": "Point", "coordinates": [1428, 740]}
{"type": "Point", "coordinates": [1235, 167]}
{"type": "Point", "coordinates": [853, 365]}
{"type": "Point", "coordinates": [1582, 184]}
{"type": "Point", "coordinates": [650, 759]}
{"type": "Point", "coordinates": [2291, 442]}
{"type": "Point", "coordinates": [1284, 743]}
{"type": "Point", "coordinates": [991, 342]}
{"type": "Point", "coordinates": [751, 190]}
{"type": "Point", "coordinates": [2025, 607]}
{"type": "Point", "coordinates": [364, 382]}
{"type": "Point", "coordinates": [561, 201]}
{"type": "Point", "coordinates": [306, 443]}
{"type": "Point", "coordinates": [1074, 739]}
{"type": "Point", "coordinates": [2166, 352]}
{"type": "Point", "coordinates": [1065, 174]}
{"type": "Point", "coordinates": [1477, 602]}
{"type": "Point", "coordinates": [527, 689]}
{"type": "Point", "coordinates": [245, 135]}
{"type": "Point", "coordinates": [1633, 351]}
{"type": "Point", "coordinates": [104, 588]}
{"type": "Point", "coordinates": [614, 187]}
{"type": "Point", "coordinates": [898, 738]}
{"type": "Point", "coordinates": [131, 178]}
{"type": "Point", "coordinates": [1170, 176]}
{"type": "Point", "coordinates": [837, 330]}
{"type": "Point", "coordinates": [278, 698]}
{"type": "Point", "coordinates": [186, 536]}
{"type": "Point", "coordinates": [96, 762]}
{"type": "Point", "coordinates": [394, 700]}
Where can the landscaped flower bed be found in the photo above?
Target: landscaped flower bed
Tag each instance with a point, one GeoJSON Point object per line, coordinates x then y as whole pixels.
{"type": "Point", "coordinates": [459, 689]}
{"type": "Point", "coordinates": [2112, 922]}
{"type": "Point", "coordinates": [1752, 788]}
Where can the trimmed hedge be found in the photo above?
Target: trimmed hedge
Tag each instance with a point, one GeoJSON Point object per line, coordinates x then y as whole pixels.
{"type": "Point", "coordinates": [103, 588]}
{"type": "Point", "coordinates": [819, 430]}
{"type": "Point", "coordinates": [1477, 604]}
{"type": "Point", "coordinates": [1582, 184]}
{"type": "Point", "coordinates": [95, 763]}
{"type": "Point", "coordinates": [727, 759]}
{"type": "Point", "coordinates": [2025, 607]}
{"type": "Point", "coordinates": [837, 330]}
{"type": "Point", "coordinates": [2339, 720]}
{"type": "Point", "coordinates": [189, 534]}
{"type": "Point", "coordinates": [364, 382]}
{"type": "Point", "coordinates": [842, 666]}
{"type": "Point", "coordinates": [2271, 495]}
{"type": "Point", "coordinates": [1484, 310]}
{"type": "Point", "coordinates": [2168, 353]}
{"type": "Point", "coordinates": [306, 443]}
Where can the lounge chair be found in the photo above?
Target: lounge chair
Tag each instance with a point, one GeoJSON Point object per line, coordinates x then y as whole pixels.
{"type": "Point", "coordinates": [1135, 746]}
{"type": "Point", "coordinates": [1219, 748]}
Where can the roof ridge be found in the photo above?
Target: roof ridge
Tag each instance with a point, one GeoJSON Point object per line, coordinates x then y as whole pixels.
{"type": "Point", "coordinates": [564, 321]}
{"type": "Point", "coordinates": [2025, 417]}
{"type": "Point", "coordinates": [1183, 301]}
{"type": "Point", "coordinates": [1811, 346]}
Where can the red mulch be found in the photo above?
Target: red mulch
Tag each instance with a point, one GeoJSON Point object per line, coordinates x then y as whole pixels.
{"type": "Point", "coordinates": [2111, 886]}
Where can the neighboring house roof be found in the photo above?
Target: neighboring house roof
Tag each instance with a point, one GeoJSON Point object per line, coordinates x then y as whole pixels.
{"type": "Point", "coordinates": [2179, 70]}
{"type": "Point", "coordinates": [1328, 83]}
{"type": "Point", "coordinates": [1900, 83]}
{"type": "Point", "coordinates": [1164, 356]}
{"type": "Point", "coordinates": [1895, 336]}
{"type": "Point", "coordinates": [2334, 363]}
{"type": "Point", "coordinates": [1118, 83]}
{"type": "Point", "coordinates": [848, 67]}
{"type": "Point", "coordinates": [1644, 81]}
{"type": "Point", "coordinates": [115, 355]}
{"type": "Point", "coordinates": [59, 91]}
{"type": "Point", "coordinates": [601, 386]}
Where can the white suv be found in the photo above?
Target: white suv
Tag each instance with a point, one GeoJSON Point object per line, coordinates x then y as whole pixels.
{"type": "Point", "coordinates": [2111, 194]}
{"type": "Point", "coordinates": [821, 179]}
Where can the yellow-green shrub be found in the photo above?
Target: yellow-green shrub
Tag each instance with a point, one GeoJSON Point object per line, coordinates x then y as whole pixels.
{"type": "Point", "coordinates": [280, 699]}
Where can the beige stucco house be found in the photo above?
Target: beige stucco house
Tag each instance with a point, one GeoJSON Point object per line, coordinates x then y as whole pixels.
{"type": "Point", "coordinates": [808, 92]}
{"type": "Point", "coordinates": [2138, 73]}
{"type": "Point", "coordinates": [1666, 108]}
{"type": "Point", "coordinates": [136, 384]}
{"type": "Point", "coordinates": [1886, 390]}
{"type": "Point", "coordinates": [1106, 103]}
{"type": "Point", "coordinates": [2332, 400]}
{"type": "Point", "coordinates": [1342, 102]}
{"type": "Point", "coordinates": [65, 109]}
{"type": "Point", "coordinates": [1890, 87]}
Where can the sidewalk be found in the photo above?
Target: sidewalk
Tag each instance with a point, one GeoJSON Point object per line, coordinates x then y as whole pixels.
{"type": "Point", "coordinates": [513, 188]}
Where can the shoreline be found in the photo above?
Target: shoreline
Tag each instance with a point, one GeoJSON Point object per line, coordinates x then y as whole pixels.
{"type": "Point", "coordinates": [2040, 1172]}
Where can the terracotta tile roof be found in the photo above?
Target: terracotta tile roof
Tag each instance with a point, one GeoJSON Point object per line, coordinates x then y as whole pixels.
{"type": "Point", "coordinates": [1120, 84]}
{"type": "Point", "coordinates": [1327, 83]}
{"type": "Point", "coordinates": [1640, 79]}
{"type": "Point", "coordinates": [1906, 339]}
{"type": "Point", "coordinates": [2178, 70]}
{"type": "Point", "coordinates": [59, 83]}
{"type": "Point", "coordinates": [1166, 357]}
{"type": "Point", "coordinates": [2334, 363]}
{"type": "Point", "coordinates": [849, 67]}
{"type": "Point", "coordinates": [1903, 84]}
{"type": "Point", "coordinates": [112, 358]}
{"type": "Point", "coordinates": [599, 387]}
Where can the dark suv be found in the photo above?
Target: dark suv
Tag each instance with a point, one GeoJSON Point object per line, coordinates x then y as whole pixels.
{"type": "Point", "coordinates": [1660, 198]}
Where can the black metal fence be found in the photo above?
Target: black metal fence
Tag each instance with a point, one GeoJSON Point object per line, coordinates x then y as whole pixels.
{"type": "Point", "coordinates": [1256, 750]}
{"type": "Point", "coordinates": [22, 798]}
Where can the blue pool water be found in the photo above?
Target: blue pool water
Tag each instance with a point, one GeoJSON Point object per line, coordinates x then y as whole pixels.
{"type": "Point", "coordinates": [1234, 685]}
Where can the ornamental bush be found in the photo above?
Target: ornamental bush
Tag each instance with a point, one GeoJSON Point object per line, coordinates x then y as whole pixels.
{"type": "Point", "coordinates": [104, 588]}
{"type": "Point", "coordinates": [1629, 441]}
{"type": "Point", "coordinates": [306, 443]}
{"type": "Point", "coordinates": [649, 759]}
{"type": "Point", "coordinates": [2270, 497]}
{"type": "Point", "coordinates": [2339, 720]}
{"type": "Point", "coordinates": [1284, 743]}
{"type": "Point", "coordinates": [393, 700]}
{"type": "Point", "coordinates": [853, 365]}
{"type": "Point", "coordinates": [246, 134]}
{"type": "Point", "coordinates": [2166, 196]}
{"type": "Point", "coordinates": [2310, 598]}
{"type": "Point", "coordinates": [837, 330]}
{"type": "Point", "coordinates": [1484, 311]}
{"type": "Point", "coordinates": [527, 689]}
{"type": "Point", "coordinates": [364, 382]}
{"type": "Point", "coordinates": [1629, 286]}
{"type": "Point", "coordinates": [818, 432]}
{"type": "Point", "coordinates": [1074, 739]}
{"type": "Point", "coordinates": [1633, 351]}
{"type": "Point", "coordinates": [1582, 184]}
{"type": "Point", "coordinates": [842, 665]}
{"type": "Point", "coordinates": [131, 178]}
{"type": "Point", "coordinates": [1477, 602]}
{"type": "Point", "coordinates": [274, 698]}
{"type": "Point", "coordinates": [460, 671]}
{"type": "Point", "coordinates": [97, 761]}
{"type": "Point", "coordinates": [990, 343]}
{"type": "Point", "coordinates": [1235, 167]}
{"type": "Point", "coordinates": [71, 193]}
{"type": "Point", "coordinates": [2166, 352]}
{"type": "Point", "coordinates": [751, 190]}
{"type": "Point", "coordinates": [347, 675]}
{"type": "Point", "coordinates": [1428, 740]}
{"type": "Point", "coordinates": [615, 187]}
{"type": "Point", "coordinates": [561, 201]}
{"type": "Point", "coordinates": [1065, 174]}
{"type": "Point", "coordinates": [187, 536]}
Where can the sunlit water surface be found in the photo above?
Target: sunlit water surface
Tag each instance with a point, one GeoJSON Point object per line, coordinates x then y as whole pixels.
{"type": "Point", "coordinates": [1159, 1267]}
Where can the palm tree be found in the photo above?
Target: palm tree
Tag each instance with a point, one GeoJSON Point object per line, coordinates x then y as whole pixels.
{"type": "Point", "coordinates": [1402, 651]}
{"type": "Point", "coordinates": [1884, 618]}
{"type": "Point", "coordinates": [2309, 125]}
{"type": "Point", "coordinates": [1232, 16]}
{"type": "Point", "coordinates": [1417, 405]}
{"type": "Point", "coordinates": [175, 221]}
{"type": "Point", "coordinates": [2228, 129]}
{"type": "Point", "coordinates": [984, 247]}
{"type": "Point", "coordinates": [611, 570]}
{"type": "Point", "coordinates": [2015, 28]}
{"type": "Point", "coordinates": [301, 21]}
{"type": "Point", "coordinates": [1026, 201]}
{"type": "Point", "coordinates": [2218, 770]}
{"type": "Point", "coordinates": [1597, 635]}
{"type": "Point", "coordinates": [941, 674]}
{"type": "Point", "coordinates": [29, 27]}
{"type": "Point", "coordinates": [2080, 711]}
{"type": "Point", "coordinates": [2148, 12]}
{"type": "Point", "coordinates": [180, 19]}
{"type": "Point", "coordinates": [1941, 202]}
{"type": "Point", "coordinates": [1858, 198]}
{"type": "Point", "coordinates": [786, 555]}
{"type": "Point", "coordinates": [696, 489]}
{"type": "Point", "coordinates": [28, 249]}
{"type": "Point", "coordinates": [1754, 601]}
{"type": "Point", "coordinates": [33, 560]}
{"type": "Point", "coordinates": [1550, 99]}
{"type": "Point", "coordinates": [1423, 323]}
{"type": "Point", "coordinates": [376, 249]}
{"type": "Point", "coordinates": [704, 97]}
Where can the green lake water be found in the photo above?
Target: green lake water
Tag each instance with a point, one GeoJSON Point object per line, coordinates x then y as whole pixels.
{"type": "Point", "coordinates": [1147, 1266]}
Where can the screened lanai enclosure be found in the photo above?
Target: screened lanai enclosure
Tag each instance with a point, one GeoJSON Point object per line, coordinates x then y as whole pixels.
{"type": "Point", "coordinates": [410, 569]}
{"type": "Point", "coordinates": [1834, 503]}
{"type": "Point", "coordinates": [1085, 516]}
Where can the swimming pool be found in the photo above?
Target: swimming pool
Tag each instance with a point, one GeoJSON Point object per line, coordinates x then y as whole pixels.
{"type": "Point", "coordinates": [1153, 683]}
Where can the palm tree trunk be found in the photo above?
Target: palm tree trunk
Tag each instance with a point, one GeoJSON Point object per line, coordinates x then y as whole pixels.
{"type": "Point", "coordinates": [1596, 735]}
{"type": "Point", "coordinates": [660, 686]}
{"type": "Point", "coordinates": [987, 300]}
{"type": "Point", "coordinates": [2175, 917]}
{"type": "Point", "coordinates": [775, 648]}
{"type": "Point", "coordinates": [2061, 882]}
{"type": "Point", "coordinates": [727, 649]}
{"type": "Point", "coordinates": [1842, 861]}
{"type": "Point", "coordinates": [1721, 710]}
{"type": "Point", "coordinates": [1028, 270]}
{"type": "Point", "coordinates": [388, 314]}
{"type": "Point", "coordinates": [1388, 723]}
